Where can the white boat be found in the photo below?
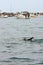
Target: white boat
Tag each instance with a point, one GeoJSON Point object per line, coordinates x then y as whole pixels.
{"type": "Point", "coordinates": [4, 16]}
{"type": "Point", "coordinates": [20, 16]}
{"type": "Point", "coordinates": [33, 16]}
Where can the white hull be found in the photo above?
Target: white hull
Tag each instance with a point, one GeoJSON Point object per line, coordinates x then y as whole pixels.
{"type": "Point", "coordinates": [20, 16]}
{"type": "Point", "coordinates": [4, 16]}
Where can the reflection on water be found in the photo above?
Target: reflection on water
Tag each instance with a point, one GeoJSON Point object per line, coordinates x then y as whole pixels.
{"type": "Point", "coordinates": [13, 49]}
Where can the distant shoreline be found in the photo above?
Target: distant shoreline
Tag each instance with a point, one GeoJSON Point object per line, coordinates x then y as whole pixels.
{"type": "Point", "coordinates": [11, 14]}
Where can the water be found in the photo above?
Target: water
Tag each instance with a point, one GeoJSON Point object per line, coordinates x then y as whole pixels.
{"type": "Point", "coordinates": [13, 49]}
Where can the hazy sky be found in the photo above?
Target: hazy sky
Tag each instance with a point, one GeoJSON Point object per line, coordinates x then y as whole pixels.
{"type": "Point", "coordinates": [21, 5]}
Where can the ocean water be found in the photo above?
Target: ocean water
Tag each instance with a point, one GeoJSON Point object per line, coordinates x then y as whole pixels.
{"type": "Point", "coordinates": [13, 49]}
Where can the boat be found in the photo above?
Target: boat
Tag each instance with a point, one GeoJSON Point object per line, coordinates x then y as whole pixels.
{"type": "Point", "coordinates": [23, 15]}
{"type": "Point", "coordinates": [4, 16]}
{"type": "Point", "coordinates": [20, 16]}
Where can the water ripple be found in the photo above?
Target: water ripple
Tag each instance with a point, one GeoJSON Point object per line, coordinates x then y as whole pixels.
{"type": "Point", "coordinates": [6, 61]}
{"type": "Point", "coordinates": [41, 63]}
{"type": "Point", "coordinates": [37, 52]}
{"type": "Point", "coordinates": [22, 59]}
{"type": "Point", "coordinates": [38, 40]}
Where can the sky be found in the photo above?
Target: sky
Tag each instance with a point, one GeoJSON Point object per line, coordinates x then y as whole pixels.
{"type": "Point", "coordinates": [21, 5]}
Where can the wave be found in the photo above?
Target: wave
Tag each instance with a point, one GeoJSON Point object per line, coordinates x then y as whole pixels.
{"type": "Point", "coordinates": [41, 63]}
{"type": "Point", "coordinates": [22, 59]}
{"type": "Point", "coordinates": [6, 61]}
{"type": "Point", "coordinates": [11, 43]}
{"type": "Point", "coordinates": [40, 27]}
{"type": "Point", "coordinates": [38, 40]}
{"type": "Point", "coordinates": [38, 52]}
